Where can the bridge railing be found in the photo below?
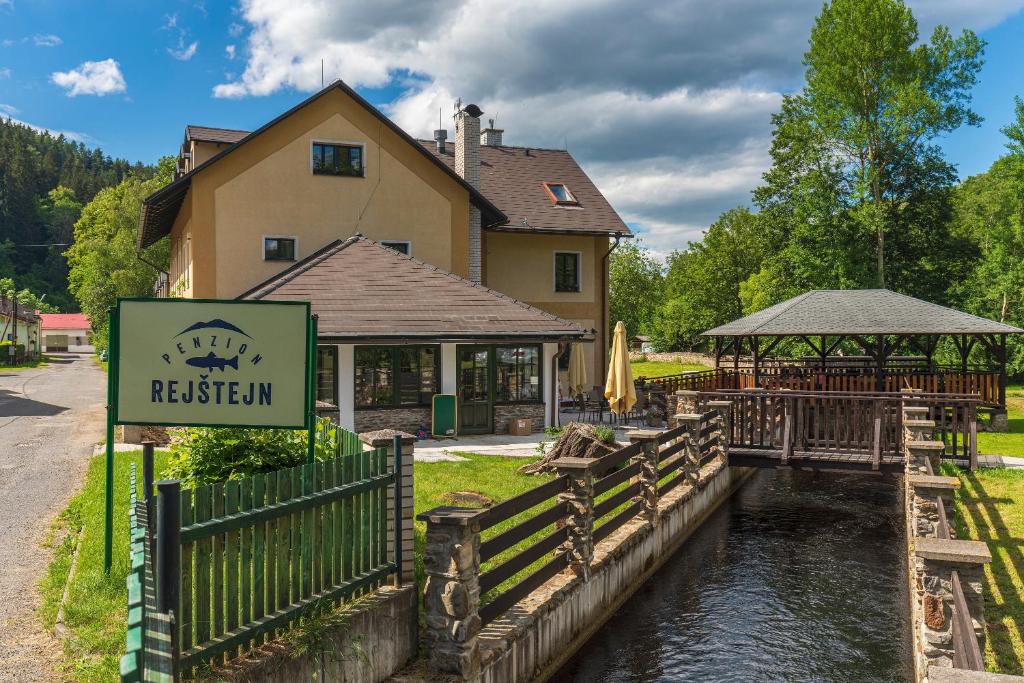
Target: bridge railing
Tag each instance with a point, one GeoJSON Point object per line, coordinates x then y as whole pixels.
{"type": "Point", "coordinates": [549, 529]}
{"type": "Point", "coordinates": [847, 424]}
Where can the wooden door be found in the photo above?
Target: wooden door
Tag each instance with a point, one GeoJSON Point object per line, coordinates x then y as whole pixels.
{"type": "Point", "coordinates": [476, 406]}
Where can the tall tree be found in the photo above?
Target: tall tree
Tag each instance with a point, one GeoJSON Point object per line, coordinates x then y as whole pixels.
{"type": "Point", "coordinates": [702, 284]}
{"type": "Point", "coordinates": [635, 284]}
{"type": "Point", "coordinates": [103, 259]}
{"type": "Point", "coordinates": [854, 154]}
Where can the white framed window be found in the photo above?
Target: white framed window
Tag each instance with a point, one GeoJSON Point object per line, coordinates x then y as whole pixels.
{"type": "Point", "coordinates": [280, 247]}
{"type": "Point", "coordinates": [568, 276]}
{"type": "Point", "coordinates": [401, 246]}
{"type": "Point", "coordinates": [339, 158]}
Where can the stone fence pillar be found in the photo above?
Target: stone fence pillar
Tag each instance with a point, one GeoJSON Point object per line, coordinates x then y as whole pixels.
{"type": "Point", "coordinates": [691, 469]}
{"type": "Point", "coordinates": [927, 491]}
{"type": "Point", "coordinates": [935, 561]}
{"type": "Point", "coordinates": [686, 403]}
{"type": "Point", "coordinates": [648, 471]}
{"type": "Point", "coordinates": [580, 520]}
{"type": "Point", "coordinates": [724, 409]}
{"type": "Point", "coordinates": [451, 593]}
{"type": "Point", "coordinates": [385, 438]}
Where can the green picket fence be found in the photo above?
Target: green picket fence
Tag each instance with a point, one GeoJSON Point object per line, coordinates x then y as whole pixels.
{"type": "Point", "coordinates": [257, 554]}
{"type": "Point", "coordinates": [148, 649]}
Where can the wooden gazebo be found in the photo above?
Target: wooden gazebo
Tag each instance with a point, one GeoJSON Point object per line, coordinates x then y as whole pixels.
{"type": "Point", "coordinates": [897, 335]}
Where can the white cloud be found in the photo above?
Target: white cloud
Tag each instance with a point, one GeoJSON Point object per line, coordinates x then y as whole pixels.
{"type": "Point", "coordinates": [7, 3]}
{"type": "Point", "coordinates": [184, 52]}
{"type": "Point", "coordinates": [229, 50]}
{"type": "Point", "coordinates": [92, 78]}
{"type": "Point", "coordinates": [667, 104]}
{"type": "Point", "coordinates": [5, 73]}
{"type": "Point", "coordinates": [8, 109]}
{"type": "Point", "coordinates": [46, 40]}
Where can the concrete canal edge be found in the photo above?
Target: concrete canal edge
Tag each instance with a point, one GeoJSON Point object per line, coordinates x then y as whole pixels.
{"type": "Point", "coordinates": [532, 641]}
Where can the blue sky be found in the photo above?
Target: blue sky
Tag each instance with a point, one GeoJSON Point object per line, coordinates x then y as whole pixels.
{"type": "Point", "coordinates": [667, 105]}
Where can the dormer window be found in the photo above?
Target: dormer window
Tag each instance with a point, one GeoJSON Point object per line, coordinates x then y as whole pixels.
{"type": "Point", "coordinates": [337, 159]}
{"type": "Point", "coordinates": [561, 194]}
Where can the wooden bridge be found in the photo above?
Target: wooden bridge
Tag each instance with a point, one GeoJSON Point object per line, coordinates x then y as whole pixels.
{"type": "Point", "coordinates": [837, 430]}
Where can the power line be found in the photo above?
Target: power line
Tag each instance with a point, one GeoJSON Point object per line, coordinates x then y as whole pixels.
{"type": "Point", "coordinates": [51, 244]}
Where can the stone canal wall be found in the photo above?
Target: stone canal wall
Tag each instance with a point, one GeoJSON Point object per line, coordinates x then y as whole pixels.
{"type": "Point", "coordinates": [533, 641]}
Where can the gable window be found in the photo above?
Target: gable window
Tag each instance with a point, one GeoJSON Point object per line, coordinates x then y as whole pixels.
{"type": "Point", "coordinates": [561, 194]}
{"type": "Point", "coordinates": [278, 248]}
{"type": "Point", "coordinates": [335, 159]}
{"type": "Point", "coordinates": [567, 271]}
{"type": "Point", "coordinates": [391, 376]}
{"type": "Point", "coordinates": [402, 247]}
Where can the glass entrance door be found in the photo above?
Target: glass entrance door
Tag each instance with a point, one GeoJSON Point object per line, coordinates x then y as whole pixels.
{"type": "Point", "coordinates": [475, 400]}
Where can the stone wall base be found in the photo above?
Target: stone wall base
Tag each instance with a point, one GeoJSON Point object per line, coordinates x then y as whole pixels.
{"type": "Point", "coordinates": [403, 419]}
{"type": "Point", "coordinates": [504, 414]}
{"type": "Point", "coordinates": [532, 640]}
{"type": "Point", "coordinates": [377, 637]}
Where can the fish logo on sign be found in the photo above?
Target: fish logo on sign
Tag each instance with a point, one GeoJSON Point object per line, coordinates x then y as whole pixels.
{"type": "Point", "coordinates": [207, 347]}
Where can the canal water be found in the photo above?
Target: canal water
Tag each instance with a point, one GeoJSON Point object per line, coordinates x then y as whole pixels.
{"type": "Point", "coordinates": [800, 576]}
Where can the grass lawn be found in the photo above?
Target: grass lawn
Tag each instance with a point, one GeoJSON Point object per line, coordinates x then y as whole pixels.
{"type": "Point", "coordinates": [1012, 442]}
{"type": "Point", "coordinates": [990, 508]}
{"type": "Point", "coordinates": [41, 362]}
{"type": "Point", "coordinates": [495, 477]}
{"type": "Point", "coordinates": [96, 612]}
{"type": "Point", "coordinates": [654, 368]}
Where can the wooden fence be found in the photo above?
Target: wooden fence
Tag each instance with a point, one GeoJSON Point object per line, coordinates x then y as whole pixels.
{"type": "Point", "coordinates": [241, 561]}
{"type": "Point", "coordinates": [625, 484]}
{"type": "Point", "coordinates": [984, 385]}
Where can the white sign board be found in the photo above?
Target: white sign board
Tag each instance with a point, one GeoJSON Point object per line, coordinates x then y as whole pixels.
{"type": "Point", "coordinates": [212, 363]}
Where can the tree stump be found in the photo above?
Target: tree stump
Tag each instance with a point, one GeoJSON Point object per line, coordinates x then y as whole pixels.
{"type": "Point", "coordinates": [577, 440]}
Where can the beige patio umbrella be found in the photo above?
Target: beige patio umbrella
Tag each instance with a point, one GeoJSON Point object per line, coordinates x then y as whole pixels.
{"type": "Point", "coordinates": [577, 370]}
{"type": "Point", "coordinates": [619, 389]}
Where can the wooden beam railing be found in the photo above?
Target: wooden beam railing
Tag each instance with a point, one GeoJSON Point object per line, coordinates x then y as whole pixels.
{"type": "Point", "coordinates": [551, 528]}
{"type": "Point", "coordinates": [966, 651]}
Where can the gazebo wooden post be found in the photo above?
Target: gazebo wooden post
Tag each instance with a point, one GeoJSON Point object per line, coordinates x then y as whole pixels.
{"type": "Point", "coordinates": [824, 352]}
{"type": "Point", "coordinates": [737, 344]}
{"type": "Point", "coordinates": [880, 357]}
{"type": "Point", "coordinates": [1001, 359]}
{"type": "Point", "coordinates": [755, 346]}
{"type": "Point", "coordinates": [718, 352]}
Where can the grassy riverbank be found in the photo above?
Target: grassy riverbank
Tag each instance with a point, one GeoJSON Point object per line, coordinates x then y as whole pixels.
{"type": "Point", "coordinates": [1012, 442]}
{"type": "Point", "coordinates": [990, 508]}
{"type": "Point", "coordinates": [96, 612]}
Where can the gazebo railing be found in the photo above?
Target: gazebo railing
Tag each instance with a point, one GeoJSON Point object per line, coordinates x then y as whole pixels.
{"type": "Point", "coordinates": [984, 385]}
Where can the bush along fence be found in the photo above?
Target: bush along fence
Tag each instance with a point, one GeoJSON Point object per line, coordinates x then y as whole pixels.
{"type": "Point", "coordinates": [238, 563]}
{"type": "Point", "coordinates": [549, 529]}
{"type": "Point", "coordinates": [945, 573]}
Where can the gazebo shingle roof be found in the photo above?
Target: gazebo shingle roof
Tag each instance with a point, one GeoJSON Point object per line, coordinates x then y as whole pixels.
{"type": "Point", "coordinates": [858, 312]}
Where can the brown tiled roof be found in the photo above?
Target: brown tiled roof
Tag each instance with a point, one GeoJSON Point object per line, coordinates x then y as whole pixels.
{"type": "Point", "coordinates": [513, 179]}
{"type": "Point", "coordinates": [221, 135]}
{"type": "Point", "coordinates": [363, 291]}
{"type": "Point", "coordinates": [160, 208]}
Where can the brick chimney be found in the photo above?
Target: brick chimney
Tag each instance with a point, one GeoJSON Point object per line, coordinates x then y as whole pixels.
{"type": "Point", "coordinates": [490, 135]}
{"type": "Point", "coordinates": [467, 165]}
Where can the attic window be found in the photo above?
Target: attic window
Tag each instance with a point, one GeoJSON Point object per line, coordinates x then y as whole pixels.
{"type": "Point", "coordinates": [337, 159]}
{"type": "Point", "coordinates": [561, 194]}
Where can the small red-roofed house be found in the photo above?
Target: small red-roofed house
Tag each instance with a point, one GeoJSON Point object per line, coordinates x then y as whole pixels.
{"type": "Point", "coordinates": [66, 332]}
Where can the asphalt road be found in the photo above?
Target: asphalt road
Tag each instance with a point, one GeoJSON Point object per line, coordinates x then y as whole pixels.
{"type": "Point", "coordinates": [50, 418]}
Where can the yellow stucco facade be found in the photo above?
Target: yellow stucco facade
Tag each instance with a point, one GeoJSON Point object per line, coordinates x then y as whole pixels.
{"type": "Point", "coordinates": [266, 188]}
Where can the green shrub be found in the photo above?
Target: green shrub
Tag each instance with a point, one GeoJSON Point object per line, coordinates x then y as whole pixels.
{"type": "Point", "coordinates": [605, 434]}
{"type": "Point", "coordinates": [204, 455]}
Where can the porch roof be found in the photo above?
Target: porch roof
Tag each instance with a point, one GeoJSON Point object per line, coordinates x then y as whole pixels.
{"type": "Point", "coordinates": [858, 312]}
{"type": "Point", "coordinates": [363, 291]}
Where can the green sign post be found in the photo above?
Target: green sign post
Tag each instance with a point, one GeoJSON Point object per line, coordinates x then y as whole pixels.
{"type": "Point", "coordinates": [204, 362]}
